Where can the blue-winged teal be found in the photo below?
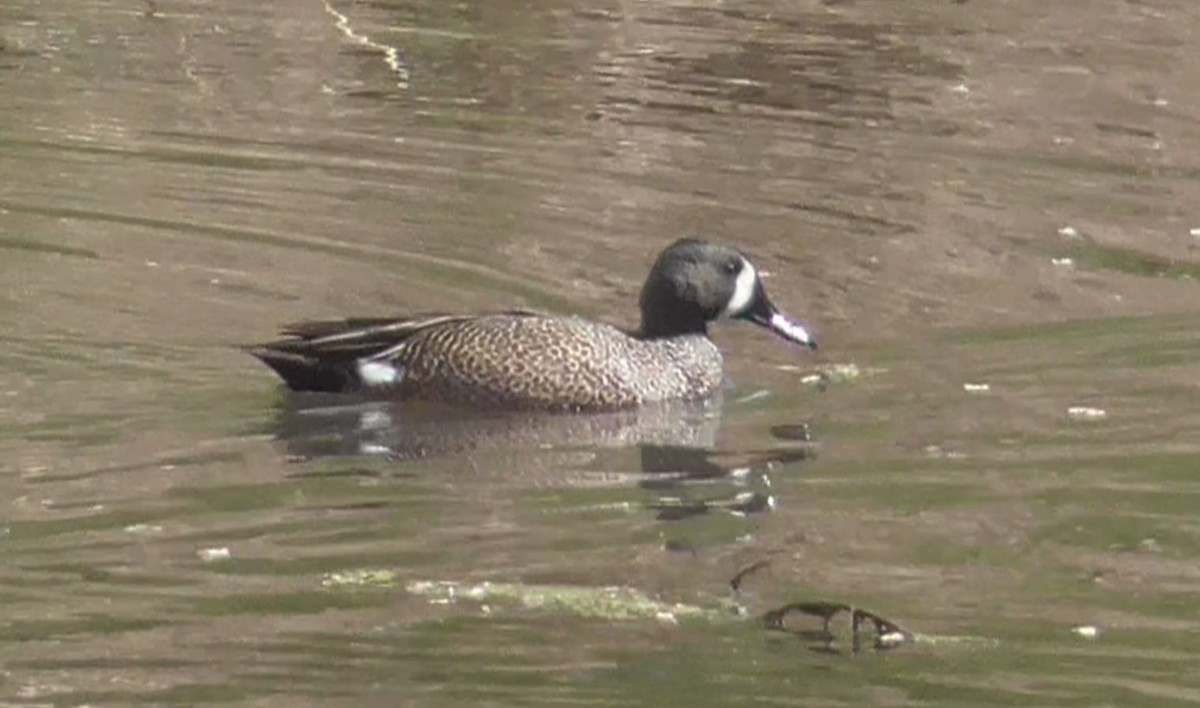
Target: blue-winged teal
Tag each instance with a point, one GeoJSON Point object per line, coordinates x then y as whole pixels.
{"type": "Point", "coordinates": [532, 361]}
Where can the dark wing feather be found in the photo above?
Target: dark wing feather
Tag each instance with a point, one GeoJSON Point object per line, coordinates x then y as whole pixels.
{"type": "Point", "coordinates": [349, 339]}
{"type": "Point", "coordinates": [323, 355]}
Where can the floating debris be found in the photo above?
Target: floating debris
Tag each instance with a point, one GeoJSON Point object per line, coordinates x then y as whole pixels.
{"type": "Point", "coordinates": [666, 618]}
{"type": "Point", "coordinates": [837, 373]}
{"type": "Point", "coordinates": [1068, 232]}
{"type": "Point", "coordinates": [614, 603]}
{"type": "Point", "coordinates": [977, 387]}
{"type": "Point", "coordinates": [1195, 233]}
{"type": "Point", "coordinates": [625, 603]}
{"type": "Point", "coordinates": [937, 451]}
{"type": "Point", "coordinates": [143, 528]}
{"type": "Point", "coordinates": [364, 578]}
{"type": "Point", "coordinates": [211, 555]}
{"type": "Point", "coordinates": [1150, 545]}
{"type": "Point", "coordinates": [1062, 262]}
{"type": "Point", "coordinates": [740, 473]}
{"type": "Point", "coordinates": [1086, 631]}
{"type": "Point", "coordinates": [834, 373]}
{"type": "Point", "coordinates": [1086, 413]}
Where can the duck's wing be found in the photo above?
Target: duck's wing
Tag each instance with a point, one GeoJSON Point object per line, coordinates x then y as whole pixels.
{"type": "Point", "coordinates": [328, 355]}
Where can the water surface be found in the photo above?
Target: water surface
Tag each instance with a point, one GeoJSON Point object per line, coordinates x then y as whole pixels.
{"type": "Point", "coordinates": [988, 210]}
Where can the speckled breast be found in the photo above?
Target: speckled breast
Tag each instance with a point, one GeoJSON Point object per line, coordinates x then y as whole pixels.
{"type": "Point", "coordinates": [529, 362]}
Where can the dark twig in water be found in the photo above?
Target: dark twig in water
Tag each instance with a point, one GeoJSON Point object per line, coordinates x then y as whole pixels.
{"type": "Point", "coordinates": [735, 583]}
{"type": "Point", "coordinates": [773, 619]}
{"type": "Point", "coordinates": [888, 634]}
{"type": "Point", "coordinates": [795, 432]}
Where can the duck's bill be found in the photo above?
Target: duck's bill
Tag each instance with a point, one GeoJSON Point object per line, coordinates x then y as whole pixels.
{"type": "Point", "coordinates": [763, 313]}
{"type": "Point", "coordinates": [790, 330]}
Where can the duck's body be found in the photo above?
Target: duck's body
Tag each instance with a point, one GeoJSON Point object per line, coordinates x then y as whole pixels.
{"type": "Point", "coordinates": [515, 360]}
{"type": "Point", "coordinates": [534, 361]}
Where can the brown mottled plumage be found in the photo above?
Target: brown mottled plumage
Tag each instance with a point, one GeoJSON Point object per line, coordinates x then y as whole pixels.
{"type": "Point", "coordinates": [527, 360]}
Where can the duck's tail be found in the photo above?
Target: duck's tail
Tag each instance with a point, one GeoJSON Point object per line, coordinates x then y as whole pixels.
{"type": "Point", "coordinates": [345, 356]}
{"type": "Point", "coordinates": [308, 372]}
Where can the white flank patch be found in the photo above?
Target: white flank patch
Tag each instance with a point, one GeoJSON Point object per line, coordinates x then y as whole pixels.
{"type": "Point", "coordinates": [378, 373]}
{"type": "Point", "coordinates": [743, 291]}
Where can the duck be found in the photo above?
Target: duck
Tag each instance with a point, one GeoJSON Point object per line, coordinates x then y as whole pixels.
{"type": "Point", "coordinates": [534, 361]}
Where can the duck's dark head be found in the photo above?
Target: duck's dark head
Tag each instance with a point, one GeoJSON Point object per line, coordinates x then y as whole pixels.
{"type": "Point", "coordinates": [694, 283]}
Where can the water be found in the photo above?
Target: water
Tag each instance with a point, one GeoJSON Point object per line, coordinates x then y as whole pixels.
{"type": "Point", "coordinates": [986, 210]}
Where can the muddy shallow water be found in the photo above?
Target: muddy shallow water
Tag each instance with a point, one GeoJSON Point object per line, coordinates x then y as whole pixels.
{"type": "Point", "coordinates": [988, 209]}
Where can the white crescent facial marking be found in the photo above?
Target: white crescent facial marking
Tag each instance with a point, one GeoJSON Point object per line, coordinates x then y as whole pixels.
{"type": "Point", "coordinates": [743, 291]}
{"type": "Point", "coordinates": [378, 373]}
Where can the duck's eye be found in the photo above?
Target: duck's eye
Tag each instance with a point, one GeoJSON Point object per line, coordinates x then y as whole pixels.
{"type": "Point", "coordinates": [731, 267]}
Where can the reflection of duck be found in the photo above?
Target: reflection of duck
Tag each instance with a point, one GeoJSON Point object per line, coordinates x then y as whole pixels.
{"type": "Point", "coordinates": [530, 361]}
{"type": "Point", "coordinates": [669, 450]}
{"type": "Point", "coordinates": [316, 426]}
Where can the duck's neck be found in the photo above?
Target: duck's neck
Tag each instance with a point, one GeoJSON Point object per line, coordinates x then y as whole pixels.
{"type": "Point", "coordinates": [666, 327]}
